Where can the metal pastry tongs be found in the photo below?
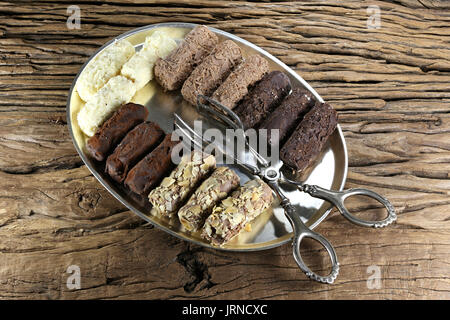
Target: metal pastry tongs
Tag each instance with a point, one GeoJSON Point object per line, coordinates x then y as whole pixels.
{"type": "Point", "coordinates": [272, 175]}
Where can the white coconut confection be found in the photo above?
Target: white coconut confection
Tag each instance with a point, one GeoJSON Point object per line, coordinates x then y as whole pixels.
{"type": "Point", "coordinates": [140, 66]}
{"type": "Point", "coordinates": [103, 67]}
{"type": "Point", "coordinates": [116, 92]}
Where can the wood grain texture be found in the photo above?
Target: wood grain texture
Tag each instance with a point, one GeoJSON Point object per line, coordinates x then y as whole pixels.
{"type": "Point", "coordinates": [390, 86]}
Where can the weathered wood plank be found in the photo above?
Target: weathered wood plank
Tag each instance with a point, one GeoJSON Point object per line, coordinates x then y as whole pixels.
{"type": "Point", "coordinates": [390, 86]}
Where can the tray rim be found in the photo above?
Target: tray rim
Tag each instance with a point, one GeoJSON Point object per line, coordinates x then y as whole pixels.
{"type": "Point", "coordinates": [249, 247]}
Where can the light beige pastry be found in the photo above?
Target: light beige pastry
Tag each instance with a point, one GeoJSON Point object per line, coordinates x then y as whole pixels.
{"type": "Point", "coordinates": [103, 67]}
{"type": "Point", "coordinates": [140, 66]}
{"type": "Point", "coordinates": [116, 92]}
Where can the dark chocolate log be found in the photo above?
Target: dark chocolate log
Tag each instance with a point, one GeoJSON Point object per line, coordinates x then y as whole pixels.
{"type": "Point", "coordinates": [263, 98]}
{"type": "Point", "coordinates": [137, 143]}
{"type": "Point", "coordinates": [114, 129]}
{"type": "Point", "coordinates": [236, 85]}
{"type": "Point", "coordinates": [309, 137]}
{"type": "Point", "coordinates": [152, 168]}
{"type": "Point", "coordinates": [212, 71]}
{"type": "Point", "coordinates": [288, 114]}
{"type": "Point", "coordinates": [173, 70]}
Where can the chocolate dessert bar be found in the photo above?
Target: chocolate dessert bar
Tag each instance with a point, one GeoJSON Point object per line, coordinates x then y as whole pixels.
{"type": "Point", "coordinates": [236, 85]}
{"type": "Point", "coordinates": [263, 98]}
{"type": "Point", "coordinates": [172, 71]}
{"type": "Point", "coordinates": [212, 71]}
{"type": "Point", "coordinates": [309, 137]}
{"type": "Point", "coordinates": [288, 114]}
{"type": "Point", "coordinates": [137, 143]}
{"type": "Point", "coordinates": [148, 172]}
{"type": "Point", "coordinates": [114, 129]}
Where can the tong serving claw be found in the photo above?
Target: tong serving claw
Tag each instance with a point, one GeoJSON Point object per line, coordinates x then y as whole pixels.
{"type": "Point", "coordinates": [273, 176]}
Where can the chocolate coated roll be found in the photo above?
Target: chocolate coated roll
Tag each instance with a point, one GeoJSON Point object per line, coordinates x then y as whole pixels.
{"type": "Point", "coordinates": [176, 188]}
{"type": "Point", "coordinates": [287, 115]}
{"type": "Point", "coordinates": [199, 206]}
{"type": "Point", "coordinates": [212, 71]}
{"type": "Point", "coordinates": [137, 143]}
{"type": "Point", "coordinates": [309, 137]}
{"type": "Point", "coordinates": [232, 214]}
{"type": "Point", "coordinates": [236, 85]}
{"type": "Point", "coordinates": [152, 168]}
{"type": "Point", "coordinates": [173, 70]}
{"type": "Point", "coordinates": [263, 98]}
{"type": "Point", "coordinates": [114, 129]}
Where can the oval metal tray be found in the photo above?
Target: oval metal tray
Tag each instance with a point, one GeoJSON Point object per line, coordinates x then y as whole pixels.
{"type": "Point", "coordinates": [271, 228]}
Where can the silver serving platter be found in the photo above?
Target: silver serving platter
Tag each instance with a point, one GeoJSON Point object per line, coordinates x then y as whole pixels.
{"type": "Point", "coordinates": [271, 228]}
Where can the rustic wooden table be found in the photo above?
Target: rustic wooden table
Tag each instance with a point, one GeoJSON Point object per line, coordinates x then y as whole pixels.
{"type": "Point", "coordinates": [391, 88]}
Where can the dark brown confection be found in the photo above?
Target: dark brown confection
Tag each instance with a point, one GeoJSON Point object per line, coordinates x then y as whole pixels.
{"type": "Point", "coordinates": [152, 168]}
{"type": "Point", "coordinates": [263, 98]}
{"type": "Point", "coordinates": [137, 143]}
{"type": "Point", "coordinates": [212, 71]}
{"type": "Point", "coordinates": [288, 114]}
{"type": "Point", "coordinates": [236, 85]}
{"type": "Point", "coordinates": [309, 137]}
{"type": "Point", "coordinates": [173, 70]}
{"type": "Point", "coordinates": [114, 129]}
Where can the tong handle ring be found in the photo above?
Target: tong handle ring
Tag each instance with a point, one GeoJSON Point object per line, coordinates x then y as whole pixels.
{"type": "Point", "coordinates": [338, 198]}
{"type": "Point", "coordinates": [301, 231]}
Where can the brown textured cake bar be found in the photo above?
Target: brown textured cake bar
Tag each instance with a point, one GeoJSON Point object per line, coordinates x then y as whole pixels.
{"type": "Point", "coordinates": [137, 143]}
{"type": "Point", "coordinates": [263, 98]}
{"type": "Point", "coordinates": [236, 85]}
{"type": "Point", "coordinates": [199, 206]}
{"type": "Point", "coordinates": [212, 71]}
{"type": "Point", "coordinates": [152, 168]}
{"type": "Point", "coordinates": [289, 113]}
{"type": "Point", "coordinates": [309, 137]}
{"type": "Point", "coordinates": [114, 129]}
{"type": "Point", "coordinates": [173, 70]}
{"type": "Point", "coordinates": [233, 213]}
{"type": "Point", "coordinates": [176, 188]}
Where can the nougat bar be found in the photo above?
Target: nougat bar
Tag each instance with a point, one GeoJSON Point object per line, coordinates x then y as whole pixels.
{"type": "Point", "coordinates": [199, 206]}
{"type": "Point", "coordinates": [175, 189]}
{"type": "Point", "coordinates": [233, 213]}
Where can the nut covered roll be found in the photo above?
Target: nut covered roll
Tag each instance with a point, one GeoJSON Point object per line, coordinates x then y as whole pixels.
{"type": "Point", "coordinates": [236, 85]}
{"type": "Point", "coordinates": [263, 98]}
{"type": "Point", "coordinates": [176, 188]}
{"type": "Point", "coordinates": [309, 137]}
{"type": "Point", "coordinates": [152, 168]}
{"type": "Point", "coordinates": [173, 70]}
{"type": "Point", "coordinates": [137, 143]}
{"type": "Point", "coordinates": [114, 129]}
{"type": "Point", "coordinates": [235, 212]}
{"type": "Point", "coordinates": [212, 71]}
{"type": "Point", "coordinates": [289, 113]}
{"type": "Point", "coordinates": [199, 206]}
